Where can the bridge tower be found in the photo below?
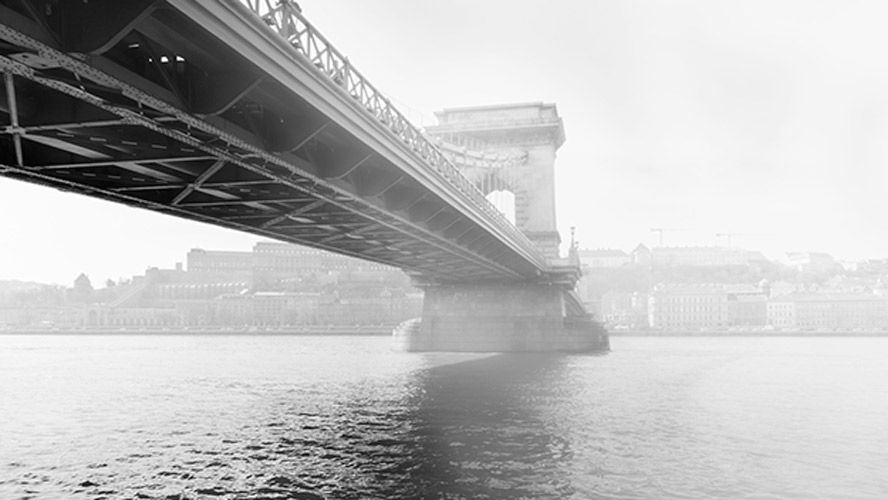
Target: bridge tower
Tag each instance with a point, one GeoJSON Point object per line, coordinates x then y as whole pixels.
{"type": "Point", "coordinates": [521, 141]}
{"type": "Point", "coordinates": [518, 143]}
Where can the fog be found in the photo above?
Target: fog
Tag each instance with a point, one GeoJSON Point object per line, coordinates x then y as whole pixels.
{"type": "Point", "coordinates": [719, 134]}
{"type": "Point", "coordinates": [760, 118]}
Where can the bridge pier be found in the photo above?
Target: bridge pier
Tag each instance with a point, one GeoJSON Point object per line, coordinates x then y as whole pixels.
{"type": "Point", "coordinates": [498, 317]}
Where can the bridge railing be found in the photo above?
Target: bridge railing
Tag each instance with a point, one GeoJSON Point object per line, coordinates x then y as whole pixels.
{"type": "Point", "coordinates": [473, 146]}
{"type": "Point", "coordinates": [474, 158]}
{"type": "Point", "coordinates": [286, 19]}
{"type": "Point", "coordinates": [462, 140]}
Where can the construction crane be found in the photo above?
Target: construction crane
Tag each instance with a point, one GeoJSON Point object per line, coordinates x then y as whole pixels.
{"type": "Point", "coordinates": [661, 230]}
{"type": "Point", "coordinates": [728, 236]}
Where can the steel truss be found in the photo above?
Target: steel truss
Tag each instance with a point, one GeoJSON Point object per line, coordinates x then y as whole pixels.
{"type": "Point", "coordinates": [149, 117]}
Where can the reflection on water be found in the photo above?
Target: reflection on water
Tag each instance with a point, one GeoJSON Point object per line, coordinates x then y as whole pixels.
{"type": "Point", "coordinates": [479, 433]}
{"type": "Point", "coordinates": [277, 417]}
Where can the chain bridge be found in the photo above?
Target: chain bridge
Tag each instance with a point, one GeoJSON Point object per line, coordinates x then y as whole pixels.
{"type": "Point", "coordinates": [240, 113]}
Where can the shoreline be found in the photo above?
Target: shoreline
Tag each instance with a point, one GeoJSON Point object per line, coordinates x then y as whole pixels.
{"type": "Point", "coordinates": [386, 330]}
{"type": "Point", "coordinates": [747, 333]}
{"type": "Point", "coordinates": [343, 331]}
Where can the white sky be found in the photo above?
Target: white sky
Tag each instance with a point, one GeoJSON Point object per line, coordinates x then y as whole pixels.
{"type": "Point", "coordinates": [767, 118]}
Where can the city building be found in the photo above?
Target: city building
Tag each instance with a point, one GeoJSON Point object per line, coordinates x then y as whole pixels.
{"type": "Point", "coordinates": [829, 311]}
{"type": "Point", "coordinates": [781, 312]}
{"type": "Point", "coordinates": [604, 258]}
{"type": "Point", "coordinates": [275, 285]}
{"type": "Point", "coordinates": [282, 285]}
{"type": "Point", "coordinates": [712, 306]}
{"type": "Point", "coordinates": [282, 259]}
{"type": "Point", "coordinates": [688, 307]}
{"type": "Point", "coordinates": [703, 256]}
{"type": "Point", "coordinates": [747, 309]}
{"type": "Point", "coordinates": [877, 267]}
{"type": "Point", "coordinates": [642, 256]}
{"type": "Point", "coordinates": [624, 309]}
{"type": "Point", "coordinates": [219, 261]}
{"type": "Point", "coordinates": [813, 262]}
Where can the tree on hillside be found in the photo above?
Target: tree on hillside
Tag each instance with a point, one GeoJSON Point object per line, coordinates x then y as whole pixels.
{"type": "Point", "coordinates": [44, 296]}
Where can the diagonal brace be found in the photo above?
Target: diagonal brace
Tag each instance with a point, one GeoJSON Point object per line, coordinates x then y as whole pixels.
{"type": "Point", "coordinates": [198, 182]}
{"type": "Point", "coordinates": [300, 210]}
{"type": "Point", "coordinates": [13, 118]}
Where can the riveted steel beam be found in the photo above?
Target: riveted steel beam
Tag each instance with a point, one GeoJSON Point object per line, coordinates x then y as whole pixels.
{"type": "Point", "coordinates": [112, 163]}
{"type": "Point", "coordinates": [215, 167]}
{"type": "Point", "coordinates": [13, 118]}
{"type": "Point", "coordinates": [70, 126]}
{"type": "Point", "coordinates": [241, 202]}
{"type": "Point", "coordinates": [293, 213]}
{"type": "Point", "coordinates": [211, 136]}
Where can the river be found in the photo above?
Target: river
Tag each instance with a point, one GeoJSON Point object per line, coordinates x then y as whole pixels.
{"type": "Point", "coordinates": [269, 417]}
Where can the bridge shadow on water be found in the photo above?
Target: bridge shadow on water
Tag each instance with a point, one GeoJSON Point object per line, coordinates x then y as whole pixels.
{"type": "Point", "coordinates": [481, 428]}
{"type": "Point", "coordinates": [471, 429]}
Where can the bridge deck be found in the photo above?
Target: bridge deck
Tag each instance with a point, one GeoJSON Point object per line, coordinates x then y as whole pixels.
{"type": "Point", "coordinates": [195, 108]}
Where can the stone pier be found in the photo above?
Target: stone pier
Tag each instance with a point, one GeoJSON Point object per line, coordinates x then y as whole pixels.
{"type": "Point", "coordinates": [498, 317]}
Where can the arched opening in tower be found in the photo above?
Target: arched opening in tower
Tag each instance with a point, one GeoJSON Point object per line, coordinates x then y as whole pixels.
{"type": "Point", "coordinates": [504, 201]}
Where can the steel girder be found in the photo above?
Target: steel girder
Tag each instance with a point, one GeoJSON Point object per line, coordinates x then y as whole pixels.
{"type": "Point", "coordinates": [163, 115]}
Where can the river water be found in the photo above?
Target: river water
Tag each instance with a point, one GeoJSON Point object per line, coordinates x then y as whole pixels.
{"type": "Point", "coordinates": [274, 417]}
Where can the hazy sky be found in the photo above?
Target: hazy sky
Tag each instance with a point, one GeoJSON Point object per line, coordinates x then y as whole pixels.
{"type": "Point", "coordinates": [765, 118]}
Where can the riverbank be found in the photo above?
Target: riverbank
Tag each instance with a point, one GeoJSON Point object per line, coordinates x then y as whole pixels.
{"type": "Point", "coordinates": [748, 333]}
{"type": "Point", "coordinates": [373, 330]}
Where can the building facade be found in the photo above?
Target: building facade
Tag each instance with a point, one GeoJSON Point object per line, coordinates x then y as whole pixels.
{"type": "Point", "coordinates": [604, 258]}
{"type": "Point", "coordinates": [829, 311]}
{"type": "Point", "coordinates": [688, 306]}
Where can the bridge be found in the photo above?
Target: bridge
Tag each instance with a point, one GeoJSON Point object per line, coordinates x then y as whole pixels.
{"type": "Point", "coordinates": [240, 113]}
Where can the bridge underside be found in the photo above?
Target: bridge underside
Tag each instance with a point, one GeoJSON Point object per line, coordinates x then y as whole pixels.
{"type": "Point", "coordinates": [168, 107]}
{"type": "Point", "coordinates": [196, 109]}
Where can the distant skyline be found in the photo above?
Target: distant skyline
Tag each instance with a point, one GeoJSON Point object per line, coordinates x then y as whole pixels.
{"type": "Point", "coordinates": [764, 118]}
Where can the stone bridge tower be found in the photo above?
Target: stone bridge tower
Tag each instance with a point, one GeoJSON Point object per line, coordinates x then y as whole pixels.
{"type": "Point", "coordinates": [523, 140]}
{"type": "Point", "coordinates": [508, 147]}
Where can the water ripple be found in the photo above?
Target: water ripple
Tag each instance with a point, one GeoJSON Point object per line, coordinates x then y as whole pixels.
{"type": "Point", "coordinates": [341, 418]}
